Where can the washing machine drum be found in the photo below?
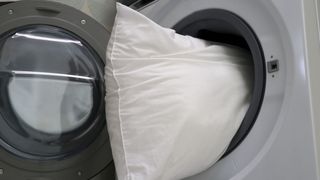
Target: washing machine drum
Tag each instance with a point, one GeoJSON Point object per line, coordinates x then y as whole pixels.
{"type": "Point", "coordinates": [51, 89]}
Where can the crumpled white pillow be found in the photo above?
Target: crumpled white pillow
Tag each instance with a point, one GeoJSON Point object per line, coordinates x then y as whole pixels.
{"type": "Point", "coordinates": [173, 102]}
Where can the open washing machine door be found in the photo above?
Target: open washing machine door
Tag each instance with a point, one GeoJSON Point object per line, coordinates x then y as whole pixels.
{"type": "Point", "coordinates": [52, 119]}
{"type": "Point", "coordinates": [276, 138]}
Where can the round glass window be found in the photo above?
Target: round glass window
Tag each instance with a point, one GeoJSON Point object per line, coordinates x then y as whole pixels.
{"type": "Point", "coordinates": [52, 93]}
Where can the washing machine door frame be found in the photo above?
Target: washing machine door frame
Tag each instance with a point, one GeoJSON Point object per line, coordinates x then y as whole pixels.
{"type": "Point", "coordinates": [82, 165]}
{"type": "Point", "coordinates": [285, 106]}
{"type": "Point", "coordinates": [222, 22]}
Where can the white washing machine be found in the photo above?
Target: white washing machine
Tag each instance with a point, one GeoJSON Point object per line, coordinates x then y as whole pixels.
{"type": "Point", "coordinates": [279, 136]}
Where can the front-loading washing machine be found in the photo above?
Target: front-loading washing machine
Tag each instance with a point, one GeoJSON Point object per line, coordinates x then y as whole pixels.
{"type": "Point", "coordinates": [278, 136]}
{"type": "Point", "coordinates": [52, 118]}
{"type": "Point", "coordinates": [51, 54]}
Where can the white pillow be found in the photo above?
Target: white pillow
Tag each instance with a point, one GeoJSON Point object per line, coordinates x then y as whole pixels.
{"type": "Point", "coordinates": [173, 102]}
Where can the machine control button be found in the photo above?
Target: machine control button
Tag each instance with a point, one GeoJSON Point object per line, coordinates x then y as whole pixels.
{"type": "Point", "coordinates": [273, 66]}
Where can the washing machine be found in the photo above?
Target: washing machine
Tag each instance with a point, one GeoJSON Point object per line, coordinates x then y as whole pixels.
{"type": "Point", "coordinates": [52, 118]}
{"type": "Point", "coordinates": [52, 54]}
{"type": "Point", "coordinates": [279, 136]}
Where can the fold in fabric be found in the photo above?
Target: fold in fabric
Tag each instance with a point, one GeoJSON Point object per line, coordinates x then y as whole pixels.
{"type": "Point", "coordinates": [173, 102]}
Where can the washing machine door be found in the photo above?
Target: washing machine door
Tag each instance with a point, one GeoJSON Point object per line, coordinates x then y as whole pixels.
{"type": "Point", "coordinates": [52, 118]}
{"type": "Point", "coordinates": [52, 92]}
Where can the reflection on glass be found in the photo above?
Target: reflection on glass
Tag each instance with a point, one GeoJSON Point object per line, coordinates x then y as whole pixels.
{"type": "Point", "coordinates": [43, 38]}
{"type": "Point", "coordinates": [50, 74]}
{"type": "Point", "coordinates": [50, 105]}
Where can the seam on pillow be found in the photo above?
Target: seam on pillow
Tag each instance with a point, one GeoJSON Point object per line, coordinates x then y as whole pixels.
{"type": "Point", "coordinates": [118, 92]}
{"type": "Point", "coordinates": [223, 62]}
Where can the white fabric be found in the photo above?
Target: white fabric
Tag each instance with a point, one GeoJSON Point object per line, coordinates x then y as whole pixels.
{"type": "Point", "coordinates": [50, 105]}
{"type": "Point", "coordinates": [173, 102]}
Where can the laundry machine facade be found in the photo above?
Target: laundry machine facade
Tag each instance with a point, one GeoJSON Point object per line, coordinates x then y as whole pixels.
{"type": "Point", "coordinates": [52, 93]}
{"type": "Point", "coordinates": [281, 142]}
{"type": "Point", "coordinates": [278, 139]}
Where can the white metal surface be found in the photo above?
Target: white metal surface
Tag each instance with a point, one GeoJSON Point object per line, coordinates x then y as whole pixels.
{"type": "Point", "coordinates": [312, 49]}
